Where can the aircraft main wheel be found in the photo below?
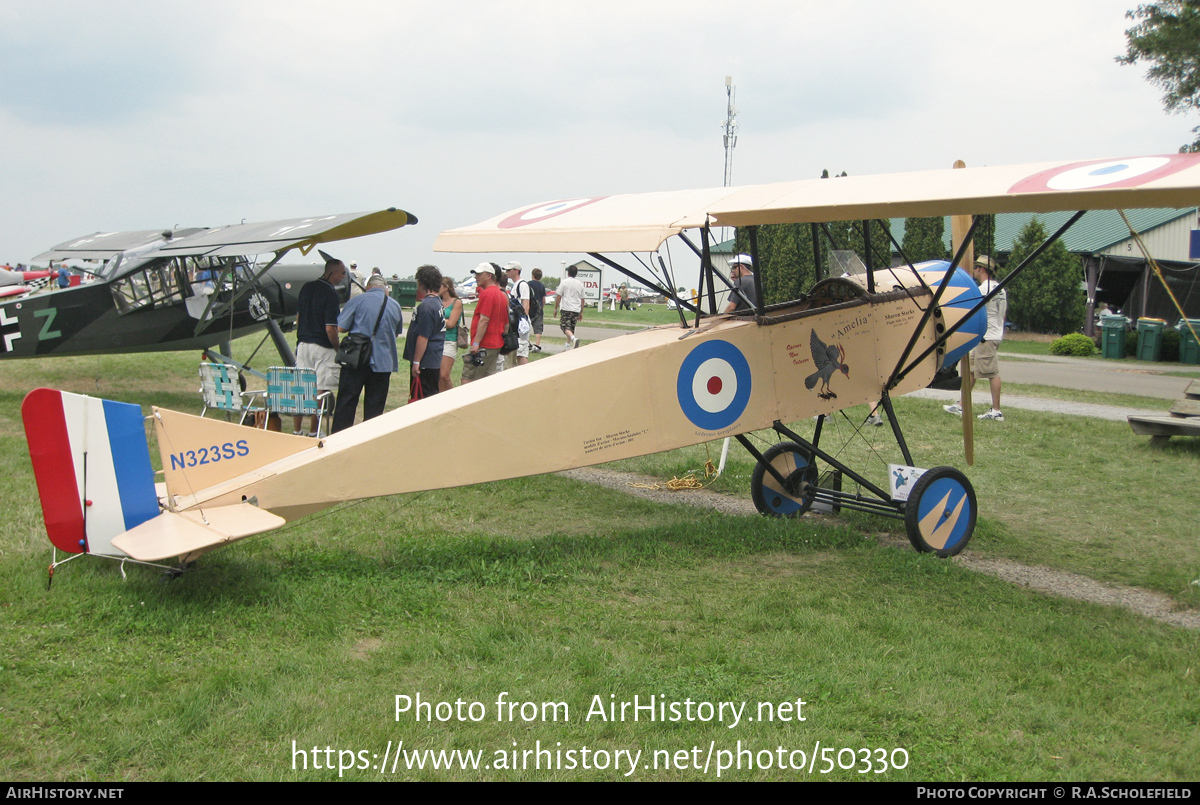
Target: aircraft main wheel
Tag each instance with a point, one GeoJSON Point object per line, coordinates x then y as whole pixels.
{"type": "Point", "coordinates": [796, 496]}
{"type": "Point", "coordinates": [940, 513]}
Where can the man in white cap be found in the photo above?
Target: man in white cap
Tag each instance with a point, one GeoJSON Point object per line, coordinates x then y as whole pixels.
{"type": "Point", "coordinates": [743, 297]}
{"type": "Point", "coordinates": [983, 358]}
{"type": "Point", "coordinates": [519, 290]}
{"type": "Point", "coordinates": [487, 326]}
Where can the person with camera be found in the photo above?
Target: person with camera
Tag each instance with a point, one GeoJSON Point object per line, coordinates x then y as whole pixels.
{"type": "Point", "coordinates": [487, 325]}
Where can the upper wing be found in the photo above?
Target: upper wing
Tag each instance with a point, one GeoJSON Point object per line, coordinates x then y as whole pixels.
{"type": "Point", "coordinates": [279, 236]}
{"type": "Point", "coordinates": [642, 222]}
{"type": "Point", "coordinates": [626, 223]}
{"type": "Point", "coordinates": [1172, 180]}
{"type": "Point", "coordinates": [239, 239]}
{"type": "Point", "coordinates": [101, 245]}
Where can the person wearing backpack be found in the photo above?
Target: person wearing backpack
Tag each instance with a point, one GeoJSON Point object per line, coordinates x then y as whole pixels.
{"type": "Point", "coordinates": [520, 300]}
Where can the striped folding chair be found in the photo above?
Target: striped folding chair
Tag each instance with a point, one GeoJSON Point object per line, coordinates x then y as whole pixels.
{"type": "Point", "coordinates": [220, 389]}
{"type": "Point", "coordinates": [292, 390]}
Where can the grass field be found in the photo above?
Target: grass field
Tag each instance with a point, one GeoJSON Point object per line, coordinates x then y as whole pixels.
{"type": "Point", "coordinates": [546, 590]}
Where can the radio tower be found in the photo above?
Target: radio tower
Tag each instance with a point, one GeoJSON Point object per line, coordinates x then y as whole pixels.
{"type": "Point", "coordinates": [731, 128]}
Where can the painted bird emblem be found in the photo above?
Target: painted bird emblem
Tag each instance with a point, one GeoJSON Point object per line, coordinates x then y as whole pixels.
{"type": "Point", "coordinates": [827, 359]}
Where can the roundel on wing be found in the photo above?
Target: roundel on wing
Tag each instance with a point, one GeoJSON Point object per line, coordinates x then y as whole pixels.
{"type": "Point", "coordinates": [1105, 173]}
{"type": "Point", "coordinates": [543, 212]}
{"type": "Point", "coordinates": [714, 385]}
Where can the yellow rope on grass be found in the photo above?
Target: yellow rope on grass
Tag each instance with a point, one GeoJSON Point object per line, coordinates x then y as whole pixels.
{"type": "Point", "coordinates": [688, 481]}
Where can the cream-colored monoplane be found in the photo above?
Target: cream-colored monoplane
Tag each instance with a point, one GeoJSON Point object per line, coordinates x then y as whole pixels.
{"type": "Point", "coordinates": [849, 340]}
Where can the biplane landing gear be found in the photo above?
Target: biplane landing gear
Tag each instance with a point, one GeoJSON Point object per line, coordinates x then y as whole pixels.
{"type": "Point", "coordinates": [940, 513]}
{"type": "Point", "coordinates": [796, 495]}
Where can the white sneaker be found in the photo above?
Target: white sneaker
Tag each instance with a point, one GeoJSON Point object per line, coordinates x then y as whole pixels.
{"type": "Point", "coordinates": [955, 409]}
{"type": "Point", "coordinates": [993, 414]}
{"type": "Point", "coordinates": [876, 420]}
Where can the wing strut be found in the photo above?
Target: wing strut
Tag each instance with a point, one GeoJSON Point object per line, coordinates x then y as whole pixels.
{"type": "Point", "coordinates": [761, 308]}
{"type": "Point", "coordinates": [643, 280]}
{"type": "Point", "coordinates": [237, 293]}
{"type": "Point", "coordinates": [716, 274]}
{"type": "Point", "coordinates": [945, 336]}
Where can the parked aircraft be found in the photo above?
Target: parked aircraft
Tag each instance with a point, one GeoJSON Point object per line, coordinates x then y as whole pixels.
{"type": "Point", "coordinates": [173, 289]}
{"type": "Point", "coordinates": [848, 341]}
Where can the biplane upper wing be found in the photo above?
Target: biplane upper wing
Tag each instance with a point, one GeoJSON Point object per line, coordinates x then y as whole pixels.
{"type": "Point", "coordinates": [1171, 180]}
{"type": "Point", "coordinates": [642, 222]}
{"type": "Point", "coordinates": [637, 222]}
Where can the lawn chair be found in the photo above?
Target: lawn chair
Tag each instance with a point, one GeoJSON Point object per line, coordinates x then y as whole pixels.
{"type": "Point", "coordinates": [221, 390]}
{"type": "Point", "coordinates": [292, 390]}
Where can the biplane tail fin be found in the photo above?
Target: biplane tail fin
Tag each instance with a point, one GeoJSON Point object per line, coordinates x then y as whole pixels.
{"type": "Point", "coordinates": [199, 453]}
{"type": "Point", "coordinates": [91, 461]}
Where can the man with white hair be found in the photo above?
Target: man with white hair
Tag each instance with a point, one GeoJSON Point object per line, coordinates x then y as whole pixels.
{"type": "Point", "coordinates": [371, 313]}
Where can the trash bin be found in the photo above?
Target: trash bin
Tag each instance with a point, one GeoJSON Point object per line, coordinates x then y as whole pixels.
{"type": "Point", "coordinates": [1149, 343]}
{"type": "Point", "coordinates": [1112, 338]}
{"type": "Point", "coordinates": [404, 292]}
{"type": "Point", "coordinates": [1189, 349]}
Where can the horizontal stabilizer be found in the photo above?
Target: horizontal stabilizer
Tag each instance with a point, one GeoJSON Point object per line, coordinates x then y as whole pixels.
{"type": "Point", "coordinates": [171, 534]}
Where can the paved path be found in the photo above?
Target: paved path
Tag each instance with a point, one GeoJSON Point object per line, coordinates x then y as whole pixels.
{"type": "Point", "coordinates": [1093, 375]}
{"type": "Point", "coordinates": [982, 400]}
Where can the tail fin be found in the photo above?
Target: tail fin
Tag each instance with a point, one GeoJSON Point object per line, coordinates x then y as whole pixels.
{"type": "Point", "coordinates": [198, 453]}
{"type": "Point", "coordinates": [92, 466]}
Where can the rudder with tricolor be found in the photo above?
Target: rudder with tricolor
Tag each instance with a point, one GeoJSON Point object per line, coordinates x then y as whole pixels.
{"type": "Point", "coordinates": [92, 465]}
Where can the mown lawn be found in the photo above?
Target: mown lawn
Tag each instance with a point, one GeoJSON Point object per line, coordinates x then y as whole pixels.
{"type": "Point", "coordinates": [550, 590]}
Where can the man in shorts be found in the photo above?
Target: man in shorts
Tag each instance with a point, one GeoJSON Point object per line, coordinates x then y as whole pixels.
{"type": "Point", "coordinates": [984, 362]}
{"type": "Point", "coordinates": [317, 334]}
{"type": "Point", "coordinates": [570, 299]}
{"type": "Point", "coordinates": [537, 307]}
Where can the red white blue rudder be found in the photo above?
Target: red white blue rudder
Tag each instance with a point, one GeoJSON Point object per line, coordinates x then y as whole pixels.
{"type": "Point", "coordinates": [92, 466]}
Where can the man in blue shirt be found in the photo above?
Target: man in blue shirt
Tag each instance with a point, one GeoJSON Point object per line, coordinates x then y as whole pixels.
{"type": "Point", "coordinates": [360, 316]}
{"type": "Point", "coordinates": [426, 332]}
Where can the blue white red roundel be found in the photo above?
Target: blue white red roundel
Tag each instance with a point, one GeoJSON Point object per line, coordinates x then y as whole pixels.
{"type": "Point", "coordinates": [1111, 173]}
{"type": "Point", "coordinates": [714, 385]}
{"type": "Point", "coordinates": [542, 212]}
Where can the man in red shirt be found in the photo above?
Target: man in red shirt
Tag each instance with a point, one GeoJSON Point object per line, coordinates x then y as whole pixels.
{"type": "Point", "coordinates": [487, 325]}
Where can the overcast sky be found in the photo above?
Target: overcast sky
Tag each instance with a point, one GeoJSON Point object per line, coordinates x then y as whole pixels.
{"type": "Point", "coordinates": [138, 115]}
